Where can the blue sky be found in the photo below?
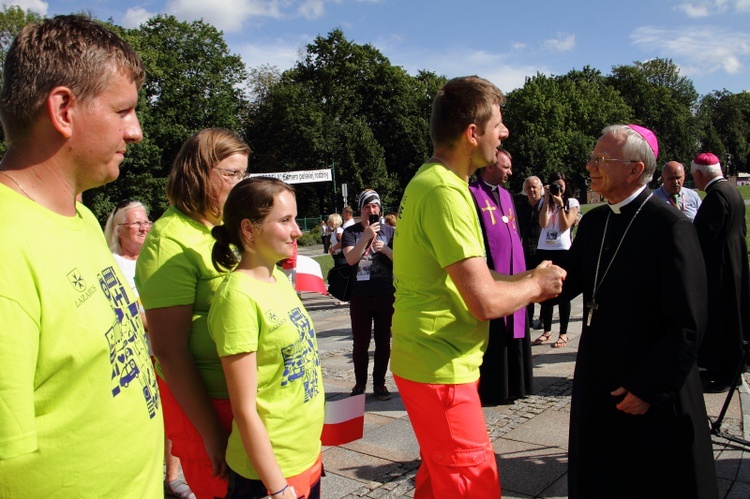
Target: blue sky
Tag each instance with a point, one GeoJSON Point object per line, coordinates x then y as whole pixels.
{"type": "Point", "coordinates": [503, 41]}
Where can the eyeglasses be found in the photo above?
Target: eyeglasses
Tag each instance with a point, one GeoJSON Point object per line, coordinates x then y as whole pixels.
{"type": "Point", "coordinates": [139, 225]}
{"type": "Point", "coordinates": [234, 175]}
{"type": "Point", "coordinates": [599, 160]}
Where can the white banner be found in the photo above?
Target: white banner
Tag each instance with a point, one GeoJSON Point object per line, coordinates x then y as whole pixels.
{"type": "Point", "coordinates": [299, 177]}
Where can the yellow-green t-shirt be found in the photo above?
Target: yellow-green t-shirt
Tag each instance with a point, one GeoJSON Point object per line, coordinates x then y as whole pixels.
{"type": "Point", "coordinates": [174, 268]}
{"type": "Point", "coordinates": [248, 315]}
{"type": "Point", "coordinates": [435, 337]}
{"type": "Point", "coordinates": [80, 414]}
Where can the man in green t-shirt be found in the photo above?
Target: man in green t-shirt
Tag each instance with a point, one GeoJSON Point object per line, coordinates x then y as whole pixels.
{"type": "Point", "coordinates": [80, 414]}
{"type": "Point", "coordinates": [446, 294]}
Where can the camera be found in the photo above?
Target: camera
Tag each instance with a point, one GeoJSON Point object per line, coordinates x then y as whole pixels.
{"type": "Point", "coordinates": [554, 189]}
{"type": "Point", "coordinates": [374, 218]}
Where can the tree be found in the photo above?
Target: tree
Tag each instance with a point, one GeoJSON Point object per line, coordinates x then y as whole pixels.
{"type": "Point", "coordinates": [344, 106]}
{"type": "Point", "coordinates": [724, 120]}
{"type": "Point", "coordinates": [192, 82]}
{"type": "Point", "coordinates": [663, 101]}
{"type": "Point", "coordinates": [554, 123]}
{"type": "Point", "coordinates": [12, 21]}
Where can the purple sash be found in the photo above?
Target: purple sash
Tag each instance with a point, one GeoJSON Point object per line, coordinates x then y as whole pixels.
{"type": "Point", "coordinates": [504, 244]}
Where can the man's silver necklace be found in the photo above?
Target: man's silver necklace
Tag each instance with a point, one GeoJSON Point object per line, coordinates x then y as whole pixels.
{"type": "Point", "coordinates": [592, 305]}
{"type": "Point", "coordinates": [17, 183]}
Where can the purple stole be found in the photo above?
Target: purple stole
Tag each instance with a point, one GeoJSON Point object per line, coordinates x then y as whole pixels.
{"type": "Point", "coordinates": [504, 244]}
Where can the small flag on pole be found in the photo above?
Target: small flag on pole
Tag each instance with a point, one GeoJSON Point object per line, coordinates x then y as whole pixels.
{"type": "Point", "coordinates": [309, 276]}
{"type": "Point", "coordinates": [344, 420]}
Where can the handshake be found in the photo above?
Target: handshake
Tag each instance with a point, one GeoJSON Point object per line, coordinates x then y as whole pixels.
{"type": "Point", "coordinates": [549, 278]}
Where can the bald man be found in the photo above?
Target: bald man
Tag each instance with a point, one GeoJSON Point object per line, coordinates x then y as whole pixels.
{"type": "Point", "coordinates": [686, 200]}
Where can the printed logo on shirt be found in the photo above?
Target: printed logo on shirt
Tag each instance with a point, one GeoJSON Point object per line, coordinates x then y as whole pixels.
{"type": "Point", "coordinates": [76, 279]}
{"type": "Point", "coordinates": [301, 360]}
{"type": "Point", "coordinates": [131, 366]}
{"type": "Point", "coordinates": [273, 320]}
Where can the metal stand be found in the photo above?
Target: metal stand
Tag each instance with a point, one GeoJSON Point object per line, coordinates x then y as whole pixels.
{"type": "Point", "coordinates": [716, 425]}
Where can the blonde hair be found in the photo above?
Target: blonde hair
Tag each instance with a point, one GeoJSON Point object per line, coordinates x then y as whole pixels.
{"type": "Point", "coordinates": [111, 233]}
{"type": "Point", "coordinates": [336, 219]}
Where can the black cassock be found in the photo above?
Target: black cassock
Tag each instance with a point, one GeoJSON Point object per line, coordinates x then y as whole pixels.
{"type": "Point", "coordinates": [720, 223]}
{"type": "Point", "coordinates": [644, 336]}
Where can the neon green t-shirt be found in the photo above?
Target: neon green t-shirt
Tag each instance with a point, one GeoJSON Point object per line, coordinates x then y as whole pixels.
{"type": "Point", "coordinates": [174, 268]}
{"type": "Point", "coordinates": [80, 414]}
{"type": "Point", "coordinates": [435, 337]}
{"type": "Point", "coordinates": [248, 315]}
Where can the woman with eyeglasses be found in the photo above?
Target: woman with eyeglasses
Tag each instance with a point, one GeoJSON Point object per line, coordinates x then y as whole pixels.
{"type": "Point", "coordinates": [177, 281]}
{"type": "Point", "coordinates": [126, 230]}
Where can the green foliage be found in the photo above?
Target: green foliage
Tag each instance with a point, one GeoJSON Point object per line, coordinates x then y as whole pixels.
{"type": "Point", "coordinates": [554, 123]}
{"type": "Point", "coordinates": [663, 101]}
{"type": "Point", "coordinates": [309, 238]}
{"type": "Point", "coordinates": [724, 119]}
{"type": "Point", "coordinates": [344, 106]}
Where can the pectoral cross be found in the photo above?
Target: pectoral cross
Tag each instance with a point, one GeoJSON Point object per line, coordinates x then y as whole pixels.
{"type": "Point", "coordinates": [591, 305]}
{"type": "Point", "coordinates": [490, 209]}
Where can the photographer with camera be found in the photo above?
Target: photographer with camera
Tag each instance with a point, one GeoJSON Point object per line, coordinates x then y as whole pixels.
{"type": "Point", "coordinates": [556, 218]}
{"type": "Point", "coordinates": [368, 245]}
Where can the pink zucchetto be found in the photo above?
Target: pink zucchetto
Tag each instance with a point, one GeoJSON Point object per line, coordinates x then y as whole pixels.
{"type": "Point", "coordinates": [649, 136]}
{"type": "Point", "coordinates": [706, 159]}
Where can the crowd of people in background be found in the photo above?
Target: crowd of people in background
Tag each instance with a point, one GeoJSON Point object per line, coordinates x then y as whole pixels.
{"type": "Point", "coordinates": [151, 351]}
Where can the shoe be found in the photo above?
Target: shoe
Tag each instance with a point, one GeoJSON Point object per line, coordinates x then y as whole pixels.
{"type": "Point", "coordinates": [561, 342]}
{"type": "Point", "coordinates": [382, 393]}
{"type": "Point", "coordinates": [178, 488]}
{"type": "Point", "coordinates": [544, 338]}
{"type": "Point", "coordinates": [357, 390]}
{"type": "Point", "coordinates": [537, 325]}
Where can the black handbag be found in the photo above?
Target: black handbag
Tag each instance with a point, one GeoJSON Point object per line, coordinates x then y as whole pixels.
{"type": "Point", "coordinates": [340, 280]}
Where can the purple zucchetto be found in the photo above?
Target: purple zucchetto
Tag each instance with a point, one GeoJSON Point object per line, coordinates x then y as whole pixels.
{"type": "Point", "coordinates": [649, 136]}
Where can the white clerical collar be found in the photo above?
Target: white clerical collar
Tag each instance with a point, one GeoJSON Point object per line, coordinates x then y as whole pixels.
{"type": "Point", "coordinates": [491, 186]}
{"type": "Point", "coordinates": [713, 181]}
{"type": "Point", "coordinates": [618, 206]}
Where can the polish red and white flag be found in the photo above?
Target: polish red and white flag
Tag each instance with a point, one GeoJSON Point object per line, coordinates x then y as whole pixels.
{"type": "Point", "coordinates": [309, 276]}
{"type": "Point", "coordinates": [344, 420]}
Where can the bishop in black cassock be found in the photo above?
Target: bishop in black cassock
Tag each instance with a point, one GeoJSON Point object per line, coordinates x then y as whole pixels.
{"type": "Point", "coordinates": [720, 223]}
{"type": "Point", "coordinates": [638, 423]}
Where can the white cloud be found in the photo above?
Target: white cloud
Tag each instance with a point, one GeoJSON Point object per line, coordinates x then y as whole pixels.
{"type": "Point", "coordinates": [564, 43]}
{"type": "Point", "coordinates": [280, 53]}
{"type": "Point", "coordinates": [743, 6]}
{"type": "Point", "coordinates": [461, 61]}
{"type": "Point", "coordinates": [698, 50]}
{"type": "Point", "coordinates": [226, 15]}
{"type": "Point", "coordinates": [705, 8]}
{"type": "Point", "coordinates": [312, 9]}
{"type": "Point", "coordinates": [518, 45]}
{"type": "Point", "coordinates": [37, 6]}
{"type": "Point", "coordinates": [136, 16]}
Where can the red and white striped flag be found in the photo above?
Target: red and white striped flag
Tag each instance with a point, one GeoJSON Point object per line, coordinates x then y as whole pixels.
{"type": "Point", "coordinates": [344, 420]}
{"type": "Point", "coordinates": [309, 277]}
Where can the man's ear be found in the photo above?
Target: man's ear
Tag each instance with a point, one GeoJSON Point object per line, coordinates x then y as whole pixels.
{"type": "Point", "coordinates": [61, 107]}
{"type": "Point", "coordinates": [472, 134]}
{"type": "Point", "coordinates": [636, 170]}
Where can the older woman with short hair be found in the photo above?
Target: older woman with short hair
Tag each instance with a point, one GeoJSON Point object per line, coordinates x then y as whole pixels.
{"type": "Point", "coordinates": [177, 282]}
